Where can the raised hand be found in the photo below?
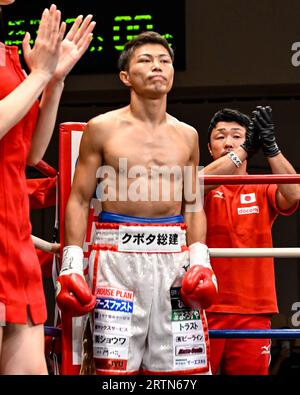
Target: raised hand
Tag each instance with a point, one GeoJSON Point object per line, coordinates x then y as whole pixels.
{"type": "Point", "coordinates": [74, 45]}
{"type": "Point", "coordinates": [252, 143]}
{"type": "Point", "coordinates": [263, 123]}
{"type": "Point", "coordinates": [44, 55]}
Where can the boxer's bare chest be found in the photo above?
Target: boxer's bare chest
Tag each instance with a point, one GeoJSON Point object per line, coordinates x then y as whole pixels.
{"type": "Point", "coordinates": [164, 146]}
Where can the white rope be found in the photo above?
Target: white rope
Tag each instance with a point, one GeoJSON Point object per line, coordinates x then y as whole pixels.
{"type": "Point", "coordinates": [254, 252]}
{"type": "Point", "coordinates": [215, 252]}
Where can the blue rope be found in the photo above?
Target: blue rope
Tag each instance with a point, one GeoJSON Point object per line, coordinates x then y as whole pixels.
{"type": "Point", "coordinates": [254, 333]}
{"type": "Point", "coordinates": [52, 331]}
{"type": "Point", "coordinates": [226, 333]}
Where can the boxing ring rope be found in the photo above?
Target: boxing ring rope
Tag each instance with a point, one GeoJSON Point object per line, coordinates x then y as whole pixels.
{"type": "Point", "coordinates": [225, 252]}
{"type": "Point", "coordinates": [250, 179]}
{"type": "Point", "coordinates": [292, 252]}
{"type": "Point", "coordinates": [253, 252]}
{"type": "Point", "coordinates": [52, 331]}
{"type": "Point", "coordinates": [225, 333]}
{"type": "Point", "coordinates": [254, 333]}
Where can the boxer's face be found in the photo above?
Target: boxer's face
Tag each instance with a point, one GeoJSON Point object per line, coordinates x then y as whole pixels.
{"type": "Point", "coordinates": [226, 137]}
{"type": "Point", "coordinates": [150, 70]}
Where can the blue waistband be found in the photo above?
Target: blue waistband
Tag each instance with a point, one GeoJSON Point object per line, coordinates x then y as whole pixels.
{"type": "Point", "coordinates": [106, 216]}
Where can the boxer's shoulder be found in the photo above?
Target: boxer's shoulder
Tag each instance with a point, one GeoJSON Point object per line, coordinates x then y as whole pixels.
{"type": "Point", "coordinates": [103, 120]}
{"type": "Point", "coordinates": [187, 132]}
{"type": "Point", "coordinates": [103, 124]}
{"type": "Point", "coordinates": [180, 125]}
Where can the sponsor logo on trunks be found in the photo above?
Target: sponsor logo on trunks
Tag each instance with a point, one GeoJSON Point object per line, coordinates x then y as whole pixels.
{"type": "Point", "coordinates": [189, 350]}
{"type": "Point", "coordinates": [156, 239]}
{"type": "Point", "coordinates": [114, 293]}
{"type": "Point", "coordinates": [114, 305]}
{"type": "Point", "coordinates": [248, 210]}
{"type": "Point", "coordinates": [104, 339]}
{"type": "Point", "coordinates": [110, 364]}
{"type": "Point", "coordinates": [185, 315]}
{"type": "Point", "coordinates": [108, 316]}
{"type": "Point", "coordinates": [247, 198]}
{"type": "Point", "coordinates": [110, 352]}
{"type": "Point", "coordinates": [111, 327]}
{"type": "Point", "coordinates": [189, 338]}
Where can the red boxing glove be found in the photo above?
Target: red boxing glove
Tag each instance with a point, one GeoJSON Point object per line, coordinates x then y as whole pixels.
{"type": "Point", "coordinates": [73, 295]}
{"type": "Point", "coordinates": [199, 287]}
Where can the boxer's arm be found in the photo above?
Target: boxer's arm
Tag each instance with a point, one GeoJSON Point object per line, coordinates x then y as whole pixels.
{"type": "Point", "coordinates": [73, 294]}
{"type": "Point", "coordinates": [223, 165]}
{"type": "Point", "coordinates": [287, 195]}
{"type": "Point", "coordinates": [228, 164]}
{"type": "Point", "coordinates": [84, 184]}
{"type": "Point", "coordinates": [199, 284]}
{"type": "Point", "coordinates": [192, 208]}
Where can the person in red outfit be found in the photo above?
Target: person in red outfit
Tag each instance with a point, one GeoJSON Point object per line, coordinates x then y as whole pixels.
{"type": "Point", "coordinates": [26, 127]}
{"type": "Point", "coordinates": [242, 216]}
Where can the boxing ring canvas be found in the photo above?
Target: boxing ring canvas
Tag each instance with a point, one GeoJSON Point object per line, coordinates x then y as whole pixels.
{"type": "Point", "coordinates": [70, 134]}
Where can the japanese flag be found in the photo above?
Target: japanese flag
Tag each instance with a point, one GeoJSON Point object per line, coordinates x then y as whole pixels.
{"type": "Point", "coordinates": [248, 198]}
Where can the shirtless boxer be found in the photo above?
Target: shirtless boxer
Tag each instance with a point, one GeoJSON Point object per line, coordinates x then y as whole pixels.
{"type": "Point", "coordinates": [140, 252]}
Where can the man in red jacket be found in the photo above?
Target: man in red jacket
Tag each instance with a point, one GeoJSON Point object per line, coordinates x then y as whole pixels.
{"type": "Point", "coordinates": [242, 216]}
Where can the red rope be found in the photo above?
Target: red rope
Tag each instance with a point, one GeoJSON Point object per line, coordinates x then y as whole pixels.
{"type": "Point", "coordinates": [251, 179]}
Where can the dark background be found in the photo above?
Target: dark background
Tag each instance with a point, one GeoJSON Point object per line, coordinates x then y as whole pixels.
{"type": "Point", "coordinates": [116, 20]}
{"type": "Point", "coordinates": [238, 53]}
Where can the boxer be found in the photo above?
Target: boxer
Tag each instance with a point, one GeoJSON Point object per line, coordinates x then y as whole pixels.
{"type": "Point", "coordinates": [149, 242]}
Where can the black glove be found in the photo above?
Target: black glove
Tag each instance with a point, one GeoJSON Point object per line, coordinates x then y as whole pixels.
{"type": "Point", "coordinates": [252, 144]}
{"type": "Point", "coordinates": [263, 123]}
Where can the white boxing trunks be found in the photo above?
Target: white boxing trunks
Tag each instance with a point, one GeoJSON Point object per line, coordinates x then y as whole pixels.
{"type": "Point", "coordinates": [140, 324]}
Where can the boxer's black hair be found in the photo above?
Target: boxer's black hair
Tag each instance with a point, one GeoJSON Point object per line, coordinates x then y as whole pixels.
{"type": "Point", "coordinates": [147, 37]}
{"type": "Point", "coordinates": [228, 115]}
